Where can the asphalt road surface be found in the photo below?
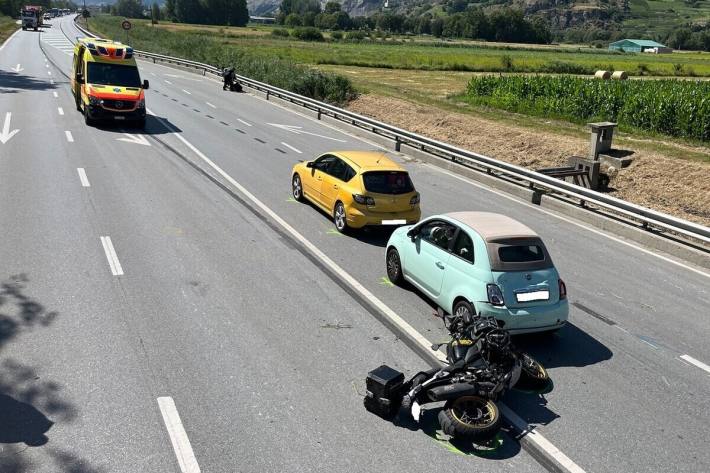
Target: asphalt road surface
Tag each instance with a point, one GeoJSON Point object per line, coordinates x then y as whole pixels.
{"type": "Point", "coordinates": [156, 318]}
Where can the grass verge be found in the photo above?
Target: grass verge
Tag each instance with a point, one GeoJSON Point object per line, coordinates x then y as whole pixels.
{"type": "Point", "coordinates": [209, 48]}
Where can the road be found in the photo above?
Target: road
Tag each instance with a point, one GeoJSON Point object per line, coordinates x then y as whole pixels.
{"type": "Point", "coordinates": [132, 271]}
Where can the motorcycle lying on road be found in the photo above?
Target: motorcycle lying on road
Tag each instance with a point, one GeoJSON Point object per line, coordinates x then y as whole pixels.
{"type": "Point", "coordinates": [482, 364]}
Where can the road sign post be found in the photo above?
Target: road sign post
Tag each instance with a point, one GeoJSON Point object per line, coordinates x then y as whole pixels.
{"type": "Point", "coordinates": [126, 25]}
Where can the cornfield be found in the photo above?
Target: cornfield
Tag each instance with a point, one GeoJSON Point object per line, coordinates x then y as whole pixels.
{"type": "Point", "coordinates": [672, 107]}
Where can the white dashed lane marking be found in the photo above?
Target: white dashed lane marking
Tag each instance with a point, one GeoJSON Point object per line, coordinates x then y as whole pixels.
{"type": "Point", "coordinates": [111, 256]}
{"type": "Point", "coordinates": [82, 177]}
{"type": "Point", "coordinates": [178, 437]}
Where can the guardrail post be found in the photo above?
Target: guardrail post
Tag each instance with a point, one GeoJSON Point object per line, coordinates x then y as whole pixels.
{"type": "Point", "coordinates": [204, 72]}
{"type": "Point", "coordinates": [267, 95]}
{"type": "Point", "coordinates": [397, 143]}
{"type": "Point", "coordinates": [153, 60]}
{"type": "Point", "coordinates": [319, 114]}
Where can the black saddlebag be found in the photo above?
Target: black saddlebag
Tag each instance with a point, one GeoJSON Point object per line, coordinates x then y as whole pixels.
{"type": "Point", "coordinates": [384, 391]}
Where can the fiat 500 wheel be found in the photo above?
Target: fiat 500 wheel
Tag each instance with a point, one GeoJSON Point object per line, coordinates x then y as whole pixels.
{"type": "Point", "coordinates": [394, 267]}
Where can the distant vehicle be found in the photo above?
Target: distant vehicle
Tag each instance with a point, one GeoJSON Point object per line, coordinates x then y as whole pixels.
{"type": "Point", "coordinates": [54, 12]}
{"type": "Point", "coordinates": [357, 188]}
{"type": "Point", "coordinates": [47, 16]}
{"type": "Point", "coordinates": [106, 83]}
{"type": "Point", "coordinates": [31, 15]}
{"type": "Point", "coordinates": [481, 263]}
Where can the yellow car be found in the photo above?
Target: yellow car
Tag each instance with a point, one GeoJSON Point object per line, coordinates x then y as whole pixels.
{"type": "Point", "coordinates": [357, 188]}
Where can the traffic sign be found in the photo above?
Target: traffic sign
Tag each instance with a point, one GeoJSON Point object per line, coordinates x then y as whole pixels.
{"type": "Point", "coordinates": [126, 25]}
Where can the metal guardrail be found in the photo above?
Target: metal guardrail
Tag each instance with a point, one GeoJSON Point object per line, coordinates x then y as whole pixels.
{"type": "Point", "coordinates": [647, 218]}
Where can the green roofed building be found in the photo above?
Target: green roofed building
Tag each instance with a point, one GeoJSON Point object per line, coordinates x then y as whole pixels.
{"type": "Point", "coordinates": [639, 46]}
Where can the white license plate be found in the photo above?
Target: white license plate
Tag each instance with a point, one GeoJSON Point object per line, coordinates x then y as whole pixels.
{"type": "Point", "coordinates": [394, 222]}
{"type": "Point", "coordinates": [118, 117]}
{"type": "Point", "coordinates": [532, 296]}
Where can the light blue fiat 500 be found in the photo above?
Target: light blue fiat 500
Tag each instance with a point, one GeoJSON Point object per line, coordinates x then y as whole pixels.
{"type": "Point", "coordinates": [481, 262]}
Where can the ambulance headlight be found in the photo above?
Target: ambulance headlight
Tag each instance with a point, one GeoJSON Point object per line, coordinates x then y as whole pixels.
{"type": "Point", "coordinates": [95, 100]}
{"type": "Point", "coordinates": [141, 103]}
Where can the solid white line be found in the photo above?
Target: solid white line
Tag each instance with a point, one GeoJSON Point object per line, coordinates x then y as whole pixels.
{"type": "Point", "coordinates": [188, 93]}
{"type": "Point", "coordinates": [209, 104]}
{"type": "Point", "coordinates": [243, 122]}
{"type": "Point", "coordinates": [695, 362]}
{"type": "Point", "coordinates": [70, 138]}
{"type": "Point", "coordinates": [291, 147]}
{"type": "Point", "coordinates": [168, 82]}
{"type": "Point", "coordinates": [178, 437]}
{"type": "Point", "coordinates": [111, 256]}
{"type": "Point", "coordinates": [56, 95]}
{"type": "Point", "coordinates": [82, 177]}
{"type": "Point", "coordinates": [581, 225]}
{"type": "Point", "coordinates": [536, 437]}
{"type": "Point", "coordinates": [60, 110]}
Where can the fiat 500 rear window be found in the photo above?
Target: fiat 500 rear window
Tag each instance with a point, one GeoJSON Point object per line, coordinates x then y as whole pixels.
{"type": "Point", "coordinates": [520, 254]}
{"type": "Point", "coordinates": [387, 182]}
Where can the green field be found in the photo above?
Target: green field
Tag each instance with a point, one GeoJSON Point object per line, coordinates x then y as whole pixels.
{"type": "Point", "coordinates": [432, 55]}
{"type": "Point", "coordinates": [672, 107]}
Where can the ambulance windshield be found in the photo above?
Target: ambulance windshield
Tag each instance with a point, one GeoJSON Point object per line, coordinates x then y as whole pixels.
{"type": "Point", "coordinates": [113, 74]}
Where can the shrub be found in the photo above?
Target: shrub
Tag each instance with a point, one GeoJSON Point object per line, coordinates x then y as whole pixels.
{"type": "Point", "coordinates": [561, 67]}
{"type": "Point", "coordinates": [281, 32]}
{"type": "Point", "coordinates": [356, 35]}
{"type": "Point", "coordinates": [293, 19]}
{"type": "Point", "coordinates": [507, 62]}
{"type": "Point", "coordinates": [307, 33]}
{"type": "Point", "coordinates": [337, 35]}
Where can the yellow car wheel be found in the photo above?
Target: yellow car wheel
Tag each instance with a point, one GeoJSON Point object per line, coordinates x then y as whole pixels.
{"type": "Point", "coordinates": [297, 188]}
{"type": "Point", "coordinates": [339, 218]}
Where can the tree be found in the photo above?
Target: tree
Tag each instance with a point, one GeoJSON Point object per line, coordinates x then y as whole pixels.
{"type": "Point", "coordinates": [189, 11]}
{"type": "Point", "coordinates": [155, 12]}
{"type": "Point", "coordinates": [437, 27]}
{"type": "Point", "coordinates": [170, 10]}
{"type": "Point", "coordinates": [332, 7]}
{"type": "Point", "coordinates": [293, 19]}
{"type": "Point", "coordinates": [238, 13]}
{"type": "Point", "coordinates": [128, 8]}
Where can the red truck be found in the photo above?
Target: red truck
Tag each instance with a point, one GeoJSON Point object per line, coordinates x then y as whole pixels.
{"type": "Point", "coordinates": [31, 16]}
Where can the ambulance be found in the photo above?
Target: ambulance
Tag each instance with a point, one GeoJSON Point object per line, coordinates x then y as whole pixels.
{"type": "Point", "coordinates": [106, 83]}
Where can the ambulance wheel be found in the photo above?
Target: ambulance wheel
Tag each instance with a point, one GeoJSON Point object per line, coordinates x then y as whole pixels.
{"type": "Point", "coordinates": [87, 119]}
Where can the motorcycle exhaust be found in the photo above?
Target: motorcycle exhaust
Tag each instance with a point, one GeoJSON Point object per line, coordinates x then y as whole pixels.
{"type": "Point", "coordinates": [451, 391]}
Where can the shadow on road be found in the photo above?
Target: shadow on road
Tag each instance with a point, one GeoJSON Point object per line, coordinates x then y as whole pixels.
{"type": "Point", "coordinates": [571, 346]}
{"type": "Point", "coordinates": [14, 82]}
{"type": "Point", "coordinates": [153, 126]}
{"type": "Point", "coordinates": [501, 447]}
{"type": "Point", "coordinates": [29, 405]}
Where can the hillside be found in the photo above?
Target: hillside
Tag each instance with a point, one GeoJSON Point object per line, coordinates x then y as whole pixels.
{"type": "Point", "coordinates": [644, 18]}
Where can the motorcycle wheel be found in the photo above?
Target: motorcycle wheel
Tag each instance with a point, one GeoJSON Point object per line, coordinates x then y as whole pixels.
{"type": "Point", "coordinates": [470, 417]}
{"type": "Point", "coordinates": [533, 375]}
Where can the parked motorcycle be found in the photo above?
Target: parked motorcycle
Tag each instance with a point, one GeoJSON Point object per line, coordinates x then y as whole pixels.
{"type": "Point", "coordinates": [482, 364]}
